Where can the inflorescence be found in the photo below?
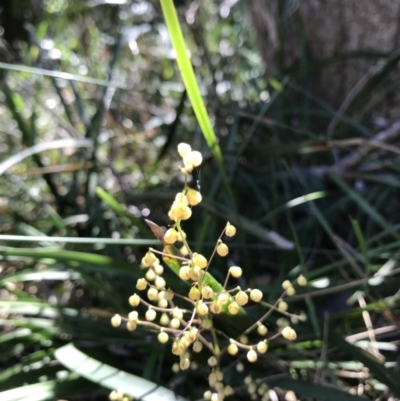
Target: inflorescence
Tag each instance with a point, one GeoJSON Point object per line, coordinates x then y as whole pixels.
{"type": "Point", "coordinates": [190, 330]}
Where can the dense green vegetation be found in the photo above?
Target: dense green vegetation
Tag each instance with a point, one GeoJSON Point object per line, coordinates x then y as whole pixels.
{"type": "Point", "coordinates": [93, 105]}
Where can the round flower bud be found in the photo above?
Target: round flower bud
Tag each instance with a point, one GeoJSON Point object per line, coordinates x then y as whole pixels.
{"type": "Point", "coordinates": [256, 295]}
{"type": "Point", "coordinates": [202, 308]}
{"type": "Point", "coordinates": [175, 323]}
{"type": "Point", "coordinates": [177, 348]}
{"type": "Point", "coordinates": [150, 275]}
{"type": "Point", "coordinates": [183, 149]}
{"type": "Point", "coordinates": [262, 330]}
{"type": "Point", "coordinates": [181, 235]}
{"type": "Point", "coordinates": [207, 324]}
{"type": "Point", "coordinates": [289, 333]}
{"type": "Point", "coordinates": [150, 315]}
{"type": "Point", "coordinates": [162, 303]}
{"type": "Point", "coordinates": [241, 298]}
{"type": "Point", "coordinates": [131, 325]}
{"type": "Point", "coordinates": [207, 292]}
{"type": "Point", "coordinates": [158, 269]}
{"type": "Point", "coordinates": [193, 197]}
{"type": "Point", "coordinates": [232, 349]}
{"type": "Point", "coordinates": [159, 282]}
{"type": "Point", "coordinates": [177, 313]}
{"type": "Point", "coordinates": [193, 158]}
{"type": "Point", "coordinates": [216, 307]}
{"type": "Point", "coordinates": [194, 294]}
{"type": "Point", "coordinates": [244, 339]}
{"type": "Point", "coordinates": [235, 271]}
{"type": "Point", "coordinates": [212, 361]}
{"type": "Point", "coordinates": [262, 347]}
{"type": "Point", "coordinates": [134, 315]}
{"type": "Point", "coordinates": [149, 258]}
{"type": "Point", "coordinates": [171, 236]}
{"type": "Point", "coordinates": [230, 230]}
{"type": "Point", "coordinates": [164, 320]}
{"type": "Point", "coordinates": [195, 273]}
{"type": "Point", "coordinates": [223, 298]}
{"type": "Point", "coordinates": [184, 363]}
{"type": "Point", "coordinates": [134, 300]}
{"type": "Point", "coordinates": [239, 367]}
{"type": "Point", "coordinates": [286, 284]}
{"type": "Point", "coordinates": [228, 390]}
{"type": "Point", "coordinates": [184, 251]}
{"type": "Point", "coordinates": [301, 280]}
{"type": "Point", "coordinates": [116, 321]}
{"type": "Point", "coordinates": [290, 291]}
{"type": "Point", "coordinates": [163, 337]}
{"type": "Point", "coordinates": [248, 380]}
{"type": "Point", "coordinates": [290, 396]}
{"type": "Point", "coordinates": [222, 249]}
{"type": "Point", "coordinates": [186, 213]}
{"type": "Point", "coordinates": [283, 306]}
{"type": "Point", "coordinates": [199, 260]}
{"type": "Point", "coordinates": [192, 334]}
{"type": "Point", "coordinates": [141, 284]}
{"type": "Point", "coordinates": [233, 308]}
{"type": "Point", "coordinates": [152, 294]}
{"type": "Point", "coordinates": [282, 322]}
{"type": "Point", "coordinates": [197, 346]}
{"type": "Point", "coordinates": [184, 272]}
{"type": "Point", "coordinates": [176, 368]}
{"type": "Point", "coordinates": [252, 356]}
{"type": "Point", "coordinates": [207, 395]}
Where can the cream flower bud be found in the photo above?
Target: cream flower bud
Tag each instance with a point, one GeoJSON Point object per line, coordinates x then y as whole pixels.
{"type": "Point", "coordinates": [131, 325]}
{"type": "Point", "coordinates": [252, 356]}
{"type": "Point", "coordinates": [219, 375]}
{"type": "Point", "coordinates": [159, 282]}
{"type": "Point", "coordinates": [186, 213]}
{"type": "Point", "coordinates": [158, 269]}
{"type": "Point", "coordinates": [181, 199]}
{"type": "Point", "coordinates": [199, 260]}
{"type": "Point", "coordinates": [289, 333]}
{"type": "Point", "coordinates": [184, 363]}
{"type": "Point", "coordinates": [174, 323]}
{"type": "Point", "coordinates": [197, 346]}
{"type": "Point", "coordinates": [207, 292]}
{"type": "Point", "coordinates": [262, 330]}
{"type": "Point", "coordinates": [184, 272]}
{"type": "Point", "coordinates": [207, 395]}
{"type": "Point", "coordinates": [235, 271]}
{"type": "Point", "coordinates": [223, 298]}
{"type": "Point", "coordinates": [163, 337]}
{"type": "Point", "coordinates": [244, 339]}
{"type": "Point", "coordinates": [181, 235]}
{"type": "Point", "coordinates": [212, 361]}
{"type": "Point", "coordinates": [183, 149]}
{"type": "Point", "coordinates": [241, 298]}
{"type": "Point", "coordinates": [184, 251]}
{"type": "Point", "coordinates": [177, 313]}
{"type": "Point", "coordinates": [286, 284]}
{"type": "Point", "coordinates": [149, 258]}
{"type": "Point", "coordinates": [150, 315]}
{"type": "Point", "coordinates": [194, 294]}
{"type": "Point", "coordinates": [194, 158]}
{"type": "Point", "coordinates": [134, 300]}
{"type": "Point", "coordinates": [230, 230]}
{"type": "Point", "coordinates": [283, 306]}
{"type": "Point", "coordinates": [256, 295]}
{"type": "Point", "coordinates": [150, 275]}
{"type": "Point", "coordinates": [116, 321]}
{"type": "Point", "coordinates": [164, 320]}
{"type": "Point", "coordinates": [239, 367]}
{"type": "Point", "coordinates": [134, 315]}
{"type": "Point", "coordinates": [215, 397]}
{"type": "Point", "coordinates": [195, 273]}
{"type": "Point", "coordinates": [222, 249]}
{"type": "Point", "coordinates": [233, 349]}
{"type": "Point", "coordinates": [301, 280]}
{"type": "Point", "coordinates": [290, 291]}
{"type": "Point", "coordinates": [216, 307]}
{"type": "Point", "coordinates": [162, 303]}
{"type": "Point", "coordinates": [262, 347]}
{"type": "Point", "coordinates": [176, 368]}
{"type": "Point", "coordinates": [233, 308]}
{"type": "Point", "coordinates": [228, 390]}
{"type": "Point", "coordinates": [194, 197]}
{"type": "Point", "coordinates": [207, 324]}
{"type": "Point", "coordinates": [152, 294]}
{"type": "Point", "coordinates": [202, 308]}
{"type": "Point", "coordinates": [177, 348]}
{"type": "Point", "coordinates": [141, 284]}
{"type": "Point", "coordinates": [171, 236]}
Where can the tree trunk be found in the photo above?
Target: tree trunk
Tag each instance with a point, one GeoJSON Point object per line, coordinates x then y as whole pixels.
{"type": "Point", "coordinates": [349, 49]}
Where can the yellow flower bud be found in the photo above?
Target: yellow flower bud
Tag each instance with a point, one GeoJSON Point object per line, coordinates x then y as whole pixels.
{"type": "Point", "coordinates": [286, 284]}
{"type": "Point", "coordinates": [162, 303]}
{"type": "Point", "coordinates": [301, 280]}
{"type": "Point", "coordinates": [262, 330]}
{"type": "Point", "coordinates": [176, 368]}
{"type": "Point", "coordinates": [193, 158]}
{"type": "Point", "coordinates": [177, 348]}
{"type": "Point", "coordinates": [186, 213]}
{"type": "Point", "coordinates": [194, 294]}
{"type": "Point", "coordinates": [224, 298]}
{"type": "Point", "coordinates": [283, 306]}
{"type": "Point", "coordinates": [199, 260]}
{"type": "Point", "coordinates": [171, 236]}
{"type": "Point", "coordinates": [134, 316]}
{"type": "Point", "coordinates": [116, 321]}
{"type": "Point", "coordinates": [197, 346]}
{"type": "Point", "coordinates": [184, 363]}
{"type": "Point", "coordinates": [175, 323]}
{"type": "Point", "coordinates": [152, 294]}
{"type": "Point", "coordinates": [222, 249]}
{"type": "Point", "coordinates": [216, 307]}
{"type": "Point", "coordinates": [183, 149]}
{"type": "Point", "coordinates": [289, 333]}
{"type": "Point", "coordinates": [150, 275]}
{"type": "Point", "coordinates": [207, 395]}
{"type": "Point", "coordinates": [252, 356]}
{"type": "Point", "coordinates": [141, 284]}
{"type": "Point", "coordinates": [184, 272]}
{"type": "Point", "coordinates": [194, 197]}
{"type": "Point", "coordinates": [233, 349]}
{"type": "Point", "coordinates": [202, 308]}
{"type": "Point", "coordinates": [256, 295]}
{"type": "Point", "coordinates": [184, 251]}
{"type": "Point", "coordinates": [195, 273]}
{"type": "Point", "coordinates": [262, 347]}
{"type": "Point", "coordinates": [177, 313]}
{"type": "Point", "coordinates": [164, 320]}
{"type": "Point", "coordinates": [207, 292]}
{"type": "Point", "coordinates": [212, 361]}
{"type": "Point", "coordinates": [290, 291]}
{"type": "Point", "coordinates": [163, 337]}
{"type": "Point", "coordinates": [241, 298]}
{"type": "Point", "coordinates": [149, 258]}
{"type": "Point", "coordinates": [233, 308]}
{"type": "Point", "coordinates": [230, 230]}
{"type": "Point", "coordinates": [158, 269]}
{"type": "Point", "coordinates": [159, 282]}
{"type": "Point", "coordinates": [235, 271]}
{"type": "Point", "coordinates": [150, 315]}
{"type": "Point", "coordinates": [134, 300]}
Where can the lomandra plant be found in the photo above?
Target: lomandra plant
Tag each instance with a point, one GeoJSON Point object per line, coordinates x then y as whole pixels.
{"type": "Point", "coordinates": [185, 320]}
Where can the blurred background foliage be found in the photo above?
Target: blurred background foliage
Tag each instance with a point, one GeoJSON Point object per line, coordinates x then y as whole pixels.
{"type": "Point", "coordinates": [91, 97]}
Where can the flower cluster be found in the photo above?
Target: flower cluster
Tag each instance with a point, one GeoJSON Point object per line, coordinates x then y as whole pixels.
{"type": "Point", "coordinates": [190, 329]}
